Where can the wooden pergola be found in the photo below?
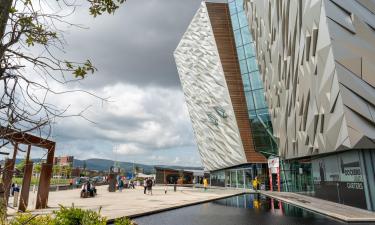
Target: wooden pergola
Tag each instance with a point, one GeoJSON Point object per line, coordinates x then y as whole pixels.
{"type": "Point", "coordinates": [17, 138]}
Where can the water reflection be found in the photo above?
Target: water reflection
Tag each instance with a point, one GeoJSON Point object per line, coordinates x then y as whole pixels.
{"type": "Point", "coordinates": [263, 204]}
{"type": "Point", "coordinates": [239, 210]}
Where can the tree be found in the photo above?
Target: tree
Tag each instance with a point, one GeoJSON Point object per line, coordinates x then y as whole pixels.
{"type": "Point", "coordinates": [31, 42]}
{"type": "Point", "coordinates": [30, 37]}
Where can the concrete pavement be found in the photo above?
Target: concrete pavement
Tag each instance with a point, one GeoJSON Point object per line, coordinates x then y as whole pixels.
{"type": "Point", "coordinates": [131, 202]}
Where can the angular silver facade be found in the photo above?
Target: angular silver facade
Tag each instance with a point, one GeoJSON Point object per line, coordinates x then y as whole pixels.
{"type": "Point", "coordinates": [207, 96]}
{"type": "Point", "coordinates": [317, 59]}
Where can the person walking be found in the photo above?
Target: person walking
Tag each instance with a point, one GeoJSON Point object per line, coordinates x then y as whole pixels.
{"type": "Point", "coordinates": [205, 183]}
{"type": "Point", "coordinates": [145, 186]}
{"type": "Point", "coordinates": [149, 186]}
{"type": "Point", "coordinates": [120, 185]}
{"type": "Point", "coordinates": [256, 183]}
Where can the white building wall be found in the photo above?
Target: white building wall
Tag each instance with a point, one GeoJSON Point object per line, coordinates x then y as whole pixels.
{"type": "Point", "coordinates": [207, 97]}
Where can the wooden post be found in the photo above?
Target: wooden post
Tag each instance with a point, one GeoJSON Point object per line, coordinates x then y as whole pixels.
{"type": "Point", "coordinates": [44, 180]}
{"type": "Point", "coordinates": [8, 173]}
{"type": "Point", "coordinates": [28, 172]}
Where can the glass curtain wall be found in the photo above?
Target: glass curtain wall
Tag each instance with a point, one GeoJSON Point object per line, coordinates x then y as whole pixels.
{"type": "Point", "coordinates": [253, 86]}
{"type": "Point", "coordinates": [241, 177]}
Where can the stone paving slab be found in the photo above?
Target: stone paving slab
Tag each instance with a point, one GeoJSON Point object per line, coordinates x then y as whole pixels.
{"type": "Point", "coordinates": [131, 202]}
{"type": "Point", "coordinates": [328, 208]}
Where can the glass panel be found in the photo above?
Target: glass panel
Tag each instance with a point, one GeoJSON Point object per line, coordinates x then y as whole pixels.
{"type": "Point", "coordinates": [227, 178]}
{"type": "Point", "coordinates": [248, 178]}
{"type": "Point", "coordinates": [239, 4]}
{"type": "Point", "coordinates": [252, 64]}
{"type": "Point", "coordinates": [240, 53]}
{"type": "Point", "coordinates": [233, 179]}
{"type": "Point", "coordinates": [246, 82]}
{"type": "Point", "coordinates": [249, 50]}
{"type": "Point", "coordinates": [242, 19]}
{"type": "Point", "coordinates": [232, 7]}
{"type": "Point", "coordinates": [255, 80]}
{"type": "Point", "coordinates": [240, 178]}
{"type": "Point", "coordinates": [246, 35]}
{"type": "Point", "coordinates": [249, 100]}
{"type": "Point", "coordinates": [259, 100]}
{"type": "Point", "coordinates": [235, 23]}
{"type": "Point", "coordinates": [243, 67]}
{"type": "Point", "coordinates": [237, 37]}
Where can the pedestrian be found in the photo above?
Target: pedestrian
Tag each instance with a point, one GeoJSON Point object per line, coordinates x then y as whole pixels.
{"type": "Point", "coordinates": [165, 189]}
{"type": "Point", "coordinates": [256, 183]}
{"type": "Point", "coordinates": [120, 185]}
{"type": "Point", "coordinates": [144, 186]}
{"type": "Point", "coordinates": [149, 186]}
{"type": "Point", "coordinates": [205, 183]}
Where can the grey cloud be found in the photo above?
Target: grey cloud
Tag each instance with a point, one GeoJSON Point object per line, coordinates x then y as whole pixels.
{"type": "Point", "coordinates": [136, 44]}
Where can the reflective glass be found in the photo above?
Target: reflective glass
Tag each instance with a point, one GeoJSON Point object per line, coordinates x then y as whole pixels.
{"type": "Point", "coordinates": [239, 4]}
{"type": "Point", "coordinates": [233, 179]}
{"type": "Point", "coordinates": [249, 100]}
{"type": "Point", "coordinates": [259, 99]}
{"type": "Point", "coordinates": [237, 37]}
{"type": "Point", "coordinates": [242, 19]}
{"type": "Point", "coordinates": [240, 53]}
{"type": "Point", "coordinates": [246, 35]}
{"type": "Point", "coordinates": [243, 67]}
{"type": "Point", "coordinates": [249, 50]}
{"type": "Point", "coordinates": [252, 64]}
{"type": "Point", "coordinates": [232, 7]}
{"type": "Point", "coordinates": [235, 23]}
{"type": "Point", "coordinates": [246, 82]}
{"type": "Point", "coordinates": [255, 80]}
{"type": "Point", "coordinates": [240, 180]}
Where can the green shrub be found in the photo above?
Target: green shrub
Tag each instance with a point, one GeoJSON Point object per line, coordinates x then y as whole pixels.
{"type": "Point", "coordinates": [69, 216]}
{"type": "Point", "coordinates": [29, 219]}
{"type": "Point", "coordinates": [66, 216]}
{"type": "Point", "coordinates": [124, 221]}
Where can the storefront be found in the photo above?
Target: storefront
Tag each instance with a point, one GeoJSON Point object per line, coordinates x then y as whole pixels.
{"type": "Point", "coordinates": [241, 176]}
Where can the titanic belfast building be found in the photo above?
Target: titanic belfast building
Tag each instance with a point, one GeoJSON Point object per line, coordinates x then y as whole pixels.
{"type": "Point", "coordinates": [291, 82]}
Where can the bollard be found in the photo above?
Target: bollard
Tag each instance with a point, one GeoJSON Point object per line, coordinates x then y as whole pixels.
{"type": "Point", "coordinates": [15, 199]}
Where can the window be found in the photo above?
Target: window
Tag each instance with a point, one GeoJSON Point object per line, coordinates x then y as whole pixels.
{"type": "Point", "coordinates": [246, 37]}
{"type": "Point", "coordinates": [252, 64]}
{"type": "Point", "coordinates": [259, 99]}
{"type": "Point", "coordinates": [255, 80]}
{"type": "Point", "coordinates": [240, 53]}
{"type": "Point", "coordinates": [249, 50]}
{"type": "Point", "coordinates": [237, 37]}
{"type": "Point", "coordinates": [246, 82]}
{"type": "Point", "coordinates": [235, 23]}
{"type": "Point", "coordinates": [249, 100]}
{"type": "Point", "coordinates": [243, 67]}
{"type": "Point", "coordinates": [242, 19]}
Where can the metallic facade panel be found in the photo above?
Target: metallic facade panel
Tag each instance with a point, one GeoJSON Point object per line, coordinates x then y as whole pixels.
{"type": "Point", "coordinates": [317, 62]}
{"type": "Point", "coordinates": [207, 96]}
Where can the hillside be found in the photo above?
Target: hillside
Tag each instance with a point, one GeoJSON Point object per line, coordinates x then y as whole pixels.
{"type": "Point", "coordinates": [105, 164]}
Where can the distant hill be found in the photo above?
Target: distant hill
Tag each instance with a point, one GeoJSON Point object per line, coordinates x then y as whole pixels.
{"type": "Point", "coordinates": [105, 164]}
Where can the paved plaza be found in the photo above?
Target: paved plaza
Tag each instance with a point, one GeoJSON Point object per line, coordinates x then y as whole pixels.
{"type": "Point", "coordinates": [130, 202]}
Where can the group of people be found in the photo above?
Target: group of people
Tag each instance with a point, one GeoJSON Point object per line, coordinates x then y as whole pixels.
{"type": "Point", "coordinates": [147, 186]}
{"type": "Point", "coordinates": [122, 183]}
{"type": "Point", "coordinates": [88, 190]}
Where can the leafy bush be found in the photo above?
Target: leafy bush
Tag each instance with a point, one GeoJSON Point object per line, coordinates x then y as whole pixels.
{"type": "Point", "coordinates": [124, 221]}
{"type": "Point", "coordinates": [69, 216]}
{"type": "Point", "coordinates": [66, 216]}
{"type": "Point", "coordinates": [29, 219]}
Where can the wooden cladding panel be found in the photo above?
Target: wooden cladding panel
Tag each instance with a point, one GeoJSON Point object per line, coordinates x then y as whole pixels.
{"type": "Point", "coordinates": [222, 29]}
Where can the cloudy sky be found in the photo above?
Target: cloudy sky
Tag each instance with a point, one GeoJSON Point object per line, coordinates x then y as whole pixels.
{"type": "Point", "coordinates": [145, 119]}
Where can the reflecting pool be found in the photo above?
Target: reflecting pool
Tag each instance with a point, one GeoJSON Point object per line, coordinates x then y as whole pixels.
{"type": "Point", "coordinates": [244, 209]}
